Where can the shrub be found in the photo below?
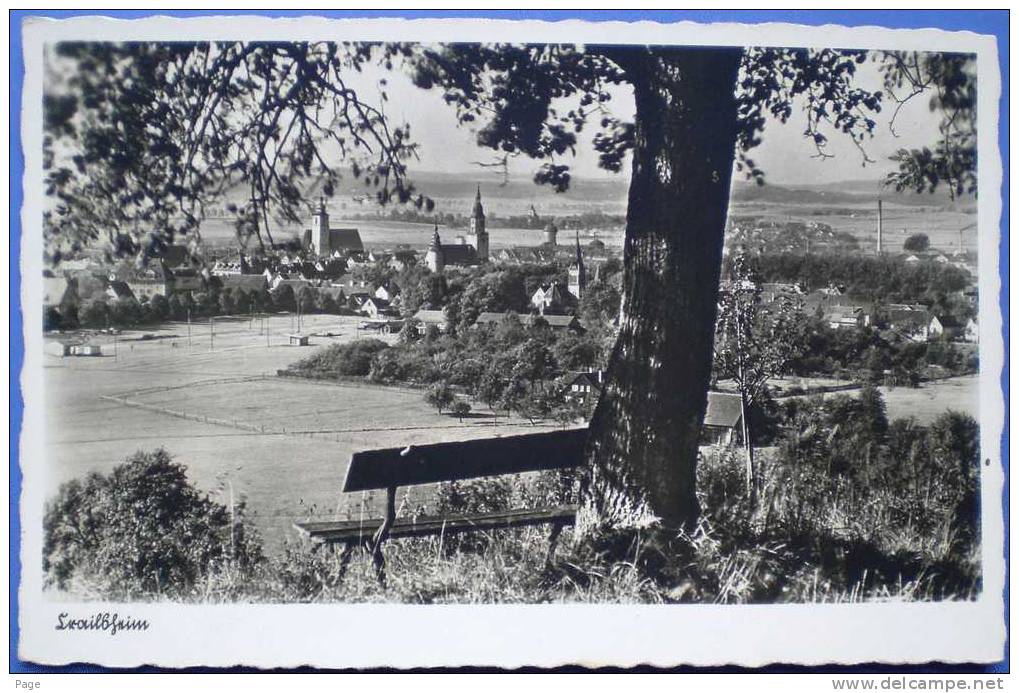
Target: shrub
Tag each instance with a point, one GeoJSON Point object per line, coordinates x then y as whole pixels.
{"type": "Point", "coordinates": [460, 409]}
{"type": "Point", "coordinates": [440, 396]}
{"type": "Point", "coordinates": [354, 358]}
{"type": "Point", "coordinates": [141, 530]}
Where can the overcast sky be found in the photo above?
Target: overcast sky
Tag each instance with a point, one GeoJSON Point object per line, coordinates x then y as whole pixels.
{"type": "Point", "coordinates": [785, 155]}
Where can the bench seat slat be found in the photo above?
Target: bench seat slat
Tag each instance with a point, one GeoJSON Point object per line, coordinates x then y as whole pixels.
{"type": "Point", "coordinates": [349, 531]}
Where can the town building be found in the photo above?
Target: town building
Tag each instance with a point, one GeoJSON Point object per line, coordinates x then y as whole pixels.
{"type": "Point", "coordinates": [320, 239]}
{"type": "Point", "coordinates": [723, 420]}
{"type": "Point", "coordinates": [585, 388]}
{"type": "Point", "coordinates": [530, 255]}
{"type": "Point", "coordinates": [946, 327]}
{"type": "Point", "coordinates": [440, 255]}
{"type": "Point", "coordinates": [403, 258]}
{"type": "Point", "coordinates": [972, 332]}
{"type": "Point", "coordinates": [551, 233]}
{"type": "Point", "coordinates": [356, 299]}
{"type": "Point", "coordinates": [847, 316]}
{"type": "Point", "coordinates": [577, 274]}
{"type": "Point", "coordinates": [476, 228]}
{"type": "Point", "coordinates": [251, 283]}
{"type": "Point", "coordinates": [119, 291]}
{"type": "Point", "coordinates": [387, 291]}
{"type": "Point", "coordinates": [431, 317]}
{"type": "Point", "coordinates": [375, 308]}
{"type": "Point", "coordinates": [550, 298]}
{"type": "Point", "coordinates": [908, 321]}
{"type": "Point", "coordinates": [555, 322]}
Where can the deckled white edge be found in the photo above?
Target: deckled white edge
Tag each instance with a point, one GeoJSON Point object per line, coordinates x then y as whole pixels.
{"type": "Point", "coordinates": [509, 636]}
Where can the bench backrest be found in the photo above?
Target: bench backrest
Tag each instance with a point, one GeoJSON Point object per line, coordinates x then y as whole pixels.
{"type": "Point", "coordinates": [468, 459]}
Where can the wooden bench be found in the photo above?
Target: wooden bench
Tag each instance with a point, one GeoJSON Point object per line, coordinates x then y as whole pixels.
{"type": "Point", "coordinates": [393, 468]}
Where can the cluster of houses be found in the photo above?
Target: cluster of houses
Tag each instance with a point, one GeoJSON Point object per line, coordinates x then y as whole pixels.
{"type": "Point", "coordinates": [913, 322]}
{"type": "Point", "coordinates": [326, 258]}
{"type": "Point", "coordinates": [783, 236]}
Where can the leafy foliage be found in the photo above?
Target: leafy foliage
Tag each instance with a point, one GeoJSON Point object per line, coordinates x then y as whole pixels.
{"type": "Point", "coordinates": [142, 530]}
{"type": "Point", "coordinates": [949, 81]}
{"type": "Point", "coordinates": [350, 359]}
{"type": "Point", "coordinates": [886, 278]}
{"type": "Point", "coordinates": [142, 137]}
{"type": "Point", "coordinates": [917, 243]}
{"type": "Point", "coordinates": [754, 342]}
{"type": "Point", "coordinates": [160, 130]}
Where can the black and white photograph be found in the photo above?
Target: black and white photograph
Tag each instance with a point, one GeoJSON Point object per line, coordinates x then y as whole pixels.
{"type": "Point", "coordinates": [347, 323]}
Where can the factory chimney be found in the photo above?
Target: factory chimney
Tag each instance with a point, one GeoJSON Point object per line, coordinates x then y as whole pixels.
{"type": "Point", "coordinates": [880, 228]}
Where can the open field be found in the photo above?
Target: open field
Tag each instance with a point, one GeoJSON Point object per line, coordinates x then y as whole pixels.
{"type": "Point", "coordinates": [924, 403]}
{"type": "Point", "coordinates": [283, 476]}
{"type": "Point", "coordinates": [931, 399]}
{"type": "Point", "coordinates": [293, 468]}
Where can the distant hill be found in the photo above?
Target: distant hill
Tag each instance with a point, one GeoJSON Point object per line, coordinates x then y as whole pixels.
{"type": "Point", "coordinates": [850, 192]}
{"type": "Point", "coordinates": [455, 191]}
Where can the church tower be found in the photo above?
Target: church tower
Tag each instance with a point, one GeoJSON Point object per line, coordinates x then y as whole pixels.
{"type": "Point", "coordinates": [320, 229]}
{"type": "Point", "coordinates": [551, 233]}
{"type": "Point", "coordinates": [434, 258]}
{"type": "Point", "coordinates": [477, 228]}
{"type": "Point", "coordinates": [578, 275]}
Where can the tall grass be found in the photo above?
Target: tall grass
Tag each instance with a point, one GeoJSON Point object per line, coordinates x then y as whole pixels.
{"type": "Point", "coordinates": [897, 522]}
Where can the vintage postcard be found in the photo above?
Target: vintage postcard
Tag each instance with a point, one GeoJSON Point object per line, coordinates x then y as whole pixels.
{"type": "Point", "coordinates": [403, 343]}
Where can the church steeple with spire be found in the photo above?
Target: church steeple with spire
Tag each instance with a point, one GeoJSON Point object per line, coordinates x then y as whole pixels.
{"type": "Point", "coordinates": [476, 227]}
{"type": "Point", "coordinates": [578, 274]}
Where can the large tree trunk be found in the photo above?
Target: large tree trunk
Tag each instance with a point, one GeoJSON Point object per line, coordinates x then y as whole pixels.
{"type": "Point", "coordinates": [646, 427]}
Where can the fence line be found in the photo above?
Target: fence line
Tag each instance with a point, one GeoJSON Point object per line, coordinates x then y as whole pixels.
{"type": "Point", "coordinates": [350, 381]}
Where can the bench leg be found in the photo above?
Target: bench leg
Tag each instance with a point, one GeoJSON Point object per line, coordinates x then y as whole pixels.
{"type": "Point", "coordinates": [553, 541]}
{"type": "Point", "coordinates": [387, 523]}
{"type": "Point", "coordinates": [348, 552]}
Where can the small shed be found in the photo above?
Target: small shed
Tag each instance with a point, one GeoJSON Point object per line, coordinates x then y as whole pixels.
{"type": "Point", "coordinates": [723, 419]}
{"type": "Point", "coordinates": [57, 348]}
{"type": "Point", "coordinates": [298, 339]}
{"type": "Point", "coordinates": [86, 350]}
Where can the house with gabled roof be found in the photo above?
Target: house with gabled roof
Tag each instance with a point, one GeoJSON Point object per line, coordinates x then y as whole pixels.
{"type": "Point", "coordinates": [403, 258]}
{"type": "Point", "coordinates": [431, 317]}
{"type": "Point", "coordinates": [251, 283]}
{"type": "Point", "coordinates": [911, 322]}
{"type": "Point", "coordinates": [119, 290]}
{"type": "Point", "coordinates": [971, 333]}
{"type": "Point", "coordinates": [375, 308]}
{"type": "Point", "coordinates": [550, 297]}
{"type": "Point", "coordinates": [846, 316]}
{"type": "Point", "coordinates": [387, 291]}
{"type": "Point", "coordinates": [356, 299]}
{"type": "Point", "coordinates": [723, 420]}
{"type": "Point", "coordinates": [945, 326]}
{"type": "Point", "coordinates": [585, 387]}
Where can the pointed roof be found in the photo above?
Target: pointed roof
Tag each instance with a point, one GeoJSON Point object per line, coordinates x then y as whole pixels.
{"type": "Point", "coordinates": [478, 209]}
{"type": "Point", "coordinates": [580, 254]}
{"type": "Point", "coordinates": [436, 241]}
{"type": "Point", "coordinates": [724, 409]}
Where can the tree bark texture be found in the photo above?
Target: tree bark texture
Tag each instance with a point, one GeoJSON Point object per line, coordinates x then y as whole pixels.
{"type": "Point", "coordinates": [646, 427]}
